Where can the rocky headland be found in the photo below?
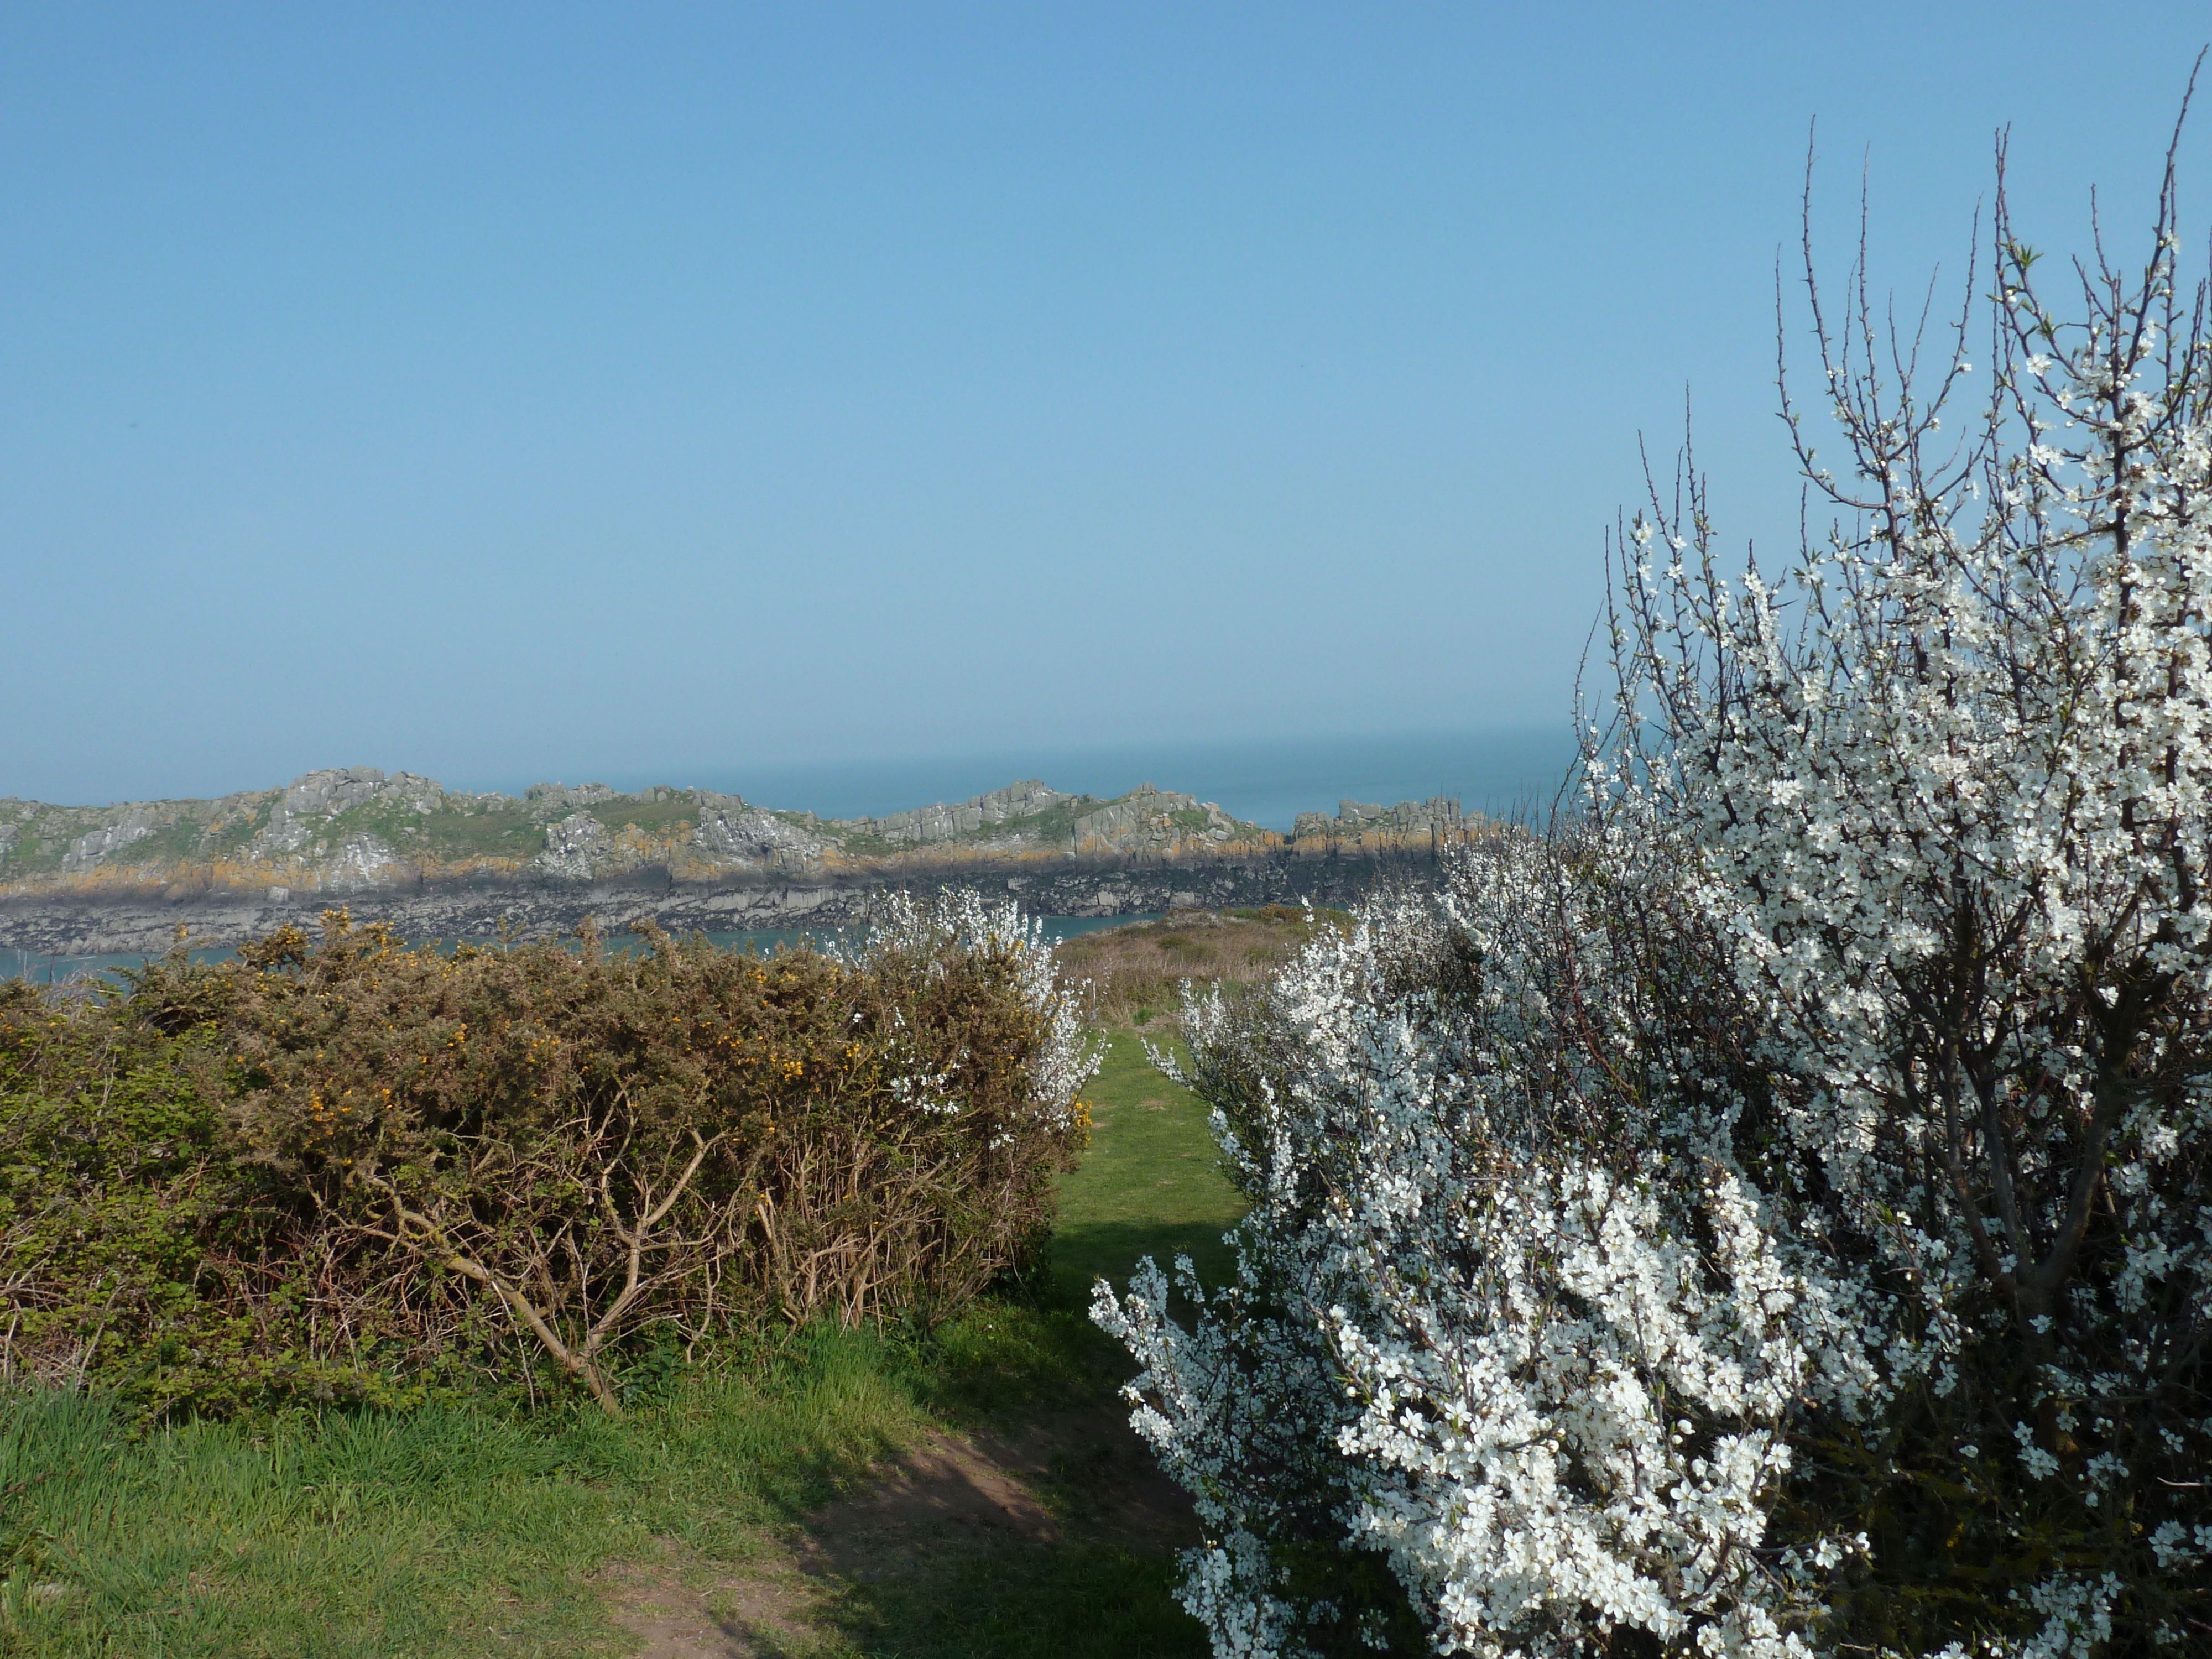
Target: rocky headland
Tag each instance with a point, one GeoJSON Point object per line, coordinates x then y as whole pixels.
{"type": "Point", "coordinates": [441, 863]}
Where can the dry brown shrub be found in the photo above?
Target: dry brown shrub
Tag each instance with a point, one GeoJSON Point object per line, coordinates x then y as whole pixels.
{"type": "Point", "coordinates": [1133, 975]}
{"type": "Point", "coordinates": [343, 1166]}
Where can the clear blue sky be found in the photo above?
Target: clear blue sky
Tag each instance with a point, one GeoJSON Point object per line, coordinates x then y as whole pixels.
{"type": "Point", "coordinates": [632, 390]}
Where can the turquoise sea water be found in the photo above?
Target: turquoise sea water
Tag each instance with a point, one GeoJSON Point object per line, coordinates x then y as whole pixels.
{"type": "Point", "coordinates": [58, 969]}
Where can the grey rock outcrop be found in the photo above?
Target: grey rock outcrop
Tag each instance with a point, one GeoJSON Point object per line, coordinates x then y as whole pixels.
{"type": "Point", "coordinates": [923, 825]}
{"type": "Point", "coordinates": [311, 801]}
{"type": "Point", "coordinates": [574, 846]}
{"type": "Point", "coordinates": [361, 862]}
{"type": "Point", "coordinates": [90, 847]}
{"type": "Point", "coordinates": [1149, 819]}
{"type": "Point", "coordinates": [551, 800]}
{"type": "Point", "coordinates": [1439, 815]}
{"type": "Point", "coordinates": [742, 834]}
{"type": "Point", "coordinates": [447, 863]}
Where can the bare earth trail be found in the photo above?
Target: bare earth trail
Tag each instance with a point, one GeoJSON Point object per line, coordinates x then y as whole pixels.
{"type": "Point", "coordinates": [1003, 1496]}
{"type": "Point", "coordinates": [1080, 1474]}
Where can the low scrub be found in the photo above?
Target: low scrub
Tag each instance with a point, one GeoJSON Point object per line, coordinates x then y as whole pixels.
{"type": "Point", "coordinates": [1130, 975]}
{"type": "Point", "coordinates": [352, 1168]}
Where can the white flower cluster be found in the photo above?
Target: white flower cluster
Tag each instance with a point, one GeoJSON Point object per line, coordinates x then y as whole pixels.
{"type": "Point", "coordinates": [1950, 789]}
{"type": "Point", "coordinates": [1841, 1080]}
{"type": "Point", "coordinates": [960, 922]}
{"type": "Point", "coordinates": [1493, 1322]}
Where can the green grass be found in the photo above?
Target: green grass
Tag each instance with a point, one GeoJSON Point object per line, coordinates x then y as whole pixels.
{"type": "Point", "coordinates": [187, 832]}
{"type": "Point", "coordinates": [39, 850]}
{"type": "Point", "coordinates": [679, 814]}
{"type": "Point", "coordinates": [1055, 824]}
{"type": "Point", "coordinates": [470, 1529]}
{"type": "Point", "coordinates": [1051, 826]}
{"type": "Point", "coordinates": [1151, 1184]}
{"type": "Point", "coordinates": [182, 838]}
{"type": "Point", "coordinates": [449, 1531]}
{"type": "Point", "coordinates": [508, 833]}
{"type": "Point", "coordinates": [460, 1531]}
{"type": "Point", "coordinates": [177, 840]}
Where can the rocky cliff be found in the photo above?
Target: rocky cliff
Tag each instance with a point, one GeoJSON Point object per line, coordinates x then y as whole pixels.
{"type": "Point", "coordinates": [439, 861]}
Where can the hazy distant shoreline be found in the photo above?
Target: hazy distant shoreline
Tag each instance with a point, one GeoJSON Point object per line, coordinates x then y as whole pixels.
{"type": "Point", "coordinates": [435, 862]}
{"type": "Point", "coordinates": [1268, 781]}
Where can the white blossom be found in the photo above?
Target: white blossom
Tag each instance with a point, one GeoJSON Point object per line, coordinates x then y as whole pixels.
{"type": "Point", "coordinates": [1841, 1081]}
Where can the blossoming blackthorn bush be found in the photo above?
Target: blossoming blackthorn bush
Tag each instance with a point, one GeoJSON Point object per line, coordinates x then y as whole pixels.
{"type": "Point", "coordinates": [1772, 1214]}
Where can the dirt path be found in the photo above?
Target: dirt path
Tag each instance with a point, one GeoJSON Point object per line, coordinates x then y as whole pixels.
{"type": "Point", "coordinates": [1080, 1474]}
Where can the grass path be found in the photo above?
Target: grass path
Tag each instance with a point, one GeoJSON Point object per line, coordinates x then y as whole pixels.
{"type": "Point", "coordinates": [848, 1496]}
{"type": "Point", "coordinates": [1149, 1184]}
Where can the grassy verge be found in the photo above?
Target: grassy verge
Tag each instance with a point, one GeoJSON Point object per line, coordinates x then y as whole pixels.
{"type": "Point", "coordinates": [466, 1530]}
{"type": "Point", "coordinates": [441, 1531]}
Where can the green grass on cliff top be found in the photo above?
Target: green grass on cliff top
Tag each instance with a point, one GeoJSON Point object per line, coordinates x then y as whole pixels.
{"type": "Point", "coordinates": [449, 836]}
{"type": "Point", "coordinates": [659, 817]}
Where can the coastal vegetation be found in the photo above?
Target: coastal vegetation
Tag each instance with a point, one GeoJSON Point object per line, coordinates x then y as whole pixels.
{"type": "Point", "coordinates": [1132, 975]}
{"type": "Point", "coordinates": [1765, 1212]}
{"type": "Point", "coordinates": [1770, 1212]}
{"type": "Point", "coordinates": [346, 1169]}
{"type": "Point", "coordinates": [481, 1506]}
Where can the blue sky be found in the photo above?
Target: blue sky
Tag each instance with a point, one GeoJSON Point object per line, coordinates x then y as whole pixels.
{"type": "Point", "coordinates": [505, 393]}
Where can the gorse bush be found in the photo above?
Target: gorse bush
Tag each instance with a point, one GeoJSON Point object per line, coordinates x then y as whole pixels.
{"type": "Point", "coordinates": [1773, 1214]}
{"type": "Point", "coordinates": [351, 1169]}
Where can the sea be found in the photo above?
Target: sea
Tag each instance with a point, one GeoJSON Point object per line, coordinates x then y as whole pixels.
{"type": "Point", "coordinates": [1503, 772]}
